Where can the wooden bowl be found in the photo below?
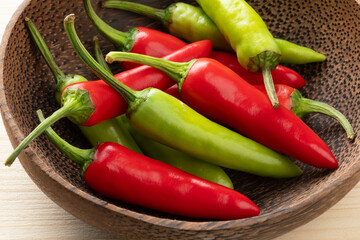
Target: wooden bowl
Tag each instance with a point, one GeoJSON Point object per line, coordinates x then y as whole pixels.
{"type": "Point", "coordinates": [330, 27]}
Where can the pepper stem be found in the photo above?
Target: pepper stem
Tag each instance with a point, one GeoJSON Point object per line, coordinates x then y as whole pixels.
{"type": "Point", "coordinates": [176, 70]}
{"type": "Point", "coordinates": [269, 86]}
{"type": "Point", "coordinates": [303, 106]}
{"type": "Point", "coordinates": [154, 13]}
{"type": "Point", "coordinates": [64, 111]}
{"type": "Point", "coordinates": [78, 155]}
{"type": "Point", "coordinates": [117, 38]}
{"type": "Point", "coordinates": [99, 55]}
{"type": "Point", "coordinates": [40, 43]}
{"type": "Point", "coordinates": [129, 94]}
{"type": "Point", "coordinates": [267, 61]}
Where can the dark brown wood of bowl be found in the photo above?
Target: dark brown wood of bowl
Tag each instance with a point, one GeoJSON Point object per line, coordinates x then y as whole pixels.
{"type": "Point", "coordinates": [330, 27]}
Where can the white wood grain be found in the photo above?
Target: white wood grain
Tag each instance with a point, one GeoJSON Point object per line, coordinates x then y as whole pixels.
{"type": "Point", "coordinates": [26, 213]}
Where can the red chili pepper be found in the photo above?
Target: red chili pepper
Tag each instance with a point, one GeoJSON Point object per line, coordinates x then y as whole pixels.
{"type": "Point", "coordinates": [87, 103]}
{"type": "Point", "coordinates": [140, 40]}
{"type": "Point", "coordinates": [119, 173]}
{"type": "Point", "coordinates": [144, 76]}
{"type": "Point", "coordinates": [292, 99]}
{"type": "Point", "coordinates": [220, 94]}
{"type": "Point", "coordinates": [280, 74]}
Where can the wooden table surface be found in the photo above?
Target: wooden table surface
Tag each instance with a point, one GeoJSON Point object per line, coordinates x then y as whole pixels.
{"type": "Point", "coordinates": [26, 213]}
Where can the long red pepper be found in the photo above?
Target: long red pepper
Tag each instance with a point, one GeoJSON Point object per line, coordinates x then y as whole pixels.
{"type": "Point", "coordinates": [119, 173]}
{"type": "Point", "coordinates": [292, 99]}
{"type": "Point", "coordinates": [220, 94]}
{"type": "Point", "coordinates": [87, 103]}
{"type": "Point", "coordinates": [137, 40]}
{"type": "Point", "coordinates": [280, 75]}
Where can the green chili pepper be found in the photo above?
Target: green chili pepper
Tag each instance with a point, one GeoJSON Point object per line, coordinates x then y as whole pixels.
{"type": "Point", "coordinates": [107, 131]}
{"type": "Point", "coordinates": [178, 159]}
{"type": "Point", "coordinates": [248, 35]}
{"type": "Point", "coordinates": [192, 24]}
{"type": "Point", "coordinates": [169, 121]}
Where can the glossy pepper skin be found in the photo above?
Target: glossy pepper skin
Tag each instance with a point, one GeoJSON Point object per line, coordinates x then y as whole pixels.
{"type": "Point", "coordinates": [161, 117]}
{"type": "Point", "coordinates": [178, 159]}
{"type": "Point", "coordinates": [165, 154]}
{"type": "Point", "coordinates": [249, 36]}
{"type": "Point", "coordinates": [192, 24]}
{"type": "Point", "coordinates": [220, 94]}
{"type": "Point", "coordinates": [292, 99]}
{"type": "Point", "coordinates": [87, 103]}
{"type": "Point", "coordinates": [137, 40]}
{"type": "Point", "coordinates": [168, 155]}
{"type": "Point", "coordinates": [116, 172]}
{"type": "Point", "coordinates": [280, 75]}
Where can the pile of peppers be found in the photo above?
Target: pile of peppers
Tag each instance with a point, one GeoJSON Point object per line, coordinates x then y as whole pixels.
{"type": "Point", "coordinates": [181, 110]}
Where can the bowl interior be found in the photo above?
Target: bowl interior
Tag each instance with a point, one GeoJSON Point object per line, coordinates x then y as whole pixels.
{"type": "Point", "coordinates": [329, 27]}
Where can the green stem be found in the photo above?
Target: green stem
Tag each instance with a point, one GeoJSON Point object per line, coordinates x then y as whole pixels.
{"type": "Point", "coordinates": [154, 13]}
{"type": "Point", "coordinates": [40, 43]}
{"type": "Point", "coordinates": [64, 111]}
{"type": "Point", "coordinates": [303, 106]}
{"type": "Point", "coordinates": [80, 156]}
{"type": "Point", "coordinates": [62, 80]}
{"type": "Point", "coordinates": [176, 70]}
{"type": "Point", "coordinates": [129, 94]}
{"type": "Point", "coordinates": [99, 56]}
{"type": "Point", "coordinates": [116, 37]}
{"type": "Point", "coordinates": [269, 86]}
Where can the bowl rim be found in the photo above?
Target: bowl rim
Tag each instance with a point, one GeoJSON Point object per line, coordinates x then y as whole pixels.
{"type": "Point", "coordinates": [29, 155]}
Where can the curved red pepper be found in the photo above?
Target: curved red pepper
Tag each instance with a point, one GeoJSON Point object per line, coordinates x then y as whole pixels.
{"type": "Point", "coordinates": [220, 94]}
{"type": "Point", "coordinates": [119, 173]}
{"type": "Point", "coordinates": [280, 75]}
